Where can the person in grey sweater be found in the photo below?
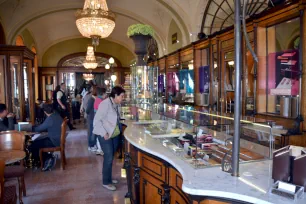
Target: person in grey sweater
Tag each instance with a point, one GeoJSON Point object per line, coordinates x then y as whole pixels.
{"type": "Point", "coordinates": [107, 127]}
{"type": "Point", "coordinates": [52, 125]}
{"type": "Point", "coordinates": [5, 115]}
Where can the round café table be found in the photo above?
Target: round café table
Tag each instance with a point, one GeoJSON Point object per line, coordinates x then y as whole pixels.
{"type": "Point", "coordinates": [12, 156]}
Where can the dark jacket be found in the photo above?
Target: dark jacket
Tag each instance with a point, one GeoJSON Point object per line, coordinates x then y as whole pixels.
{"type": "Point", "coordinates": [52, 124]}
{"type": "Point", "coordinates": [9, 126]}
{"type": "Point", "coordinates": [90, 112]}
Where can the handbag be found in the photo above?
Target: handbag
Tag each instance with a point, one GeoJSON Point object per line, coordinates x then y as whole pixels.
{"type": "Point", "coordinates": [118, 128]}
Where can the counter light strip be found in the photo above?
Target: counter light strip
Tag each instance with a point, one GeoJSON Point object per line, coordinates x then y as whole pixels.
{"type": "Point", "coordinates": [225, 117]}
{"type": "Point", "coordinates": [252, 185]}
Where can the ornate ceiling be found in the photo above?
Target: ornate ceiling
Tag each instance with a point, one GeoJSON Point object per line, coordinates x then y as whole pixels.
{"type": "Point", "coordinates": [52, 22]}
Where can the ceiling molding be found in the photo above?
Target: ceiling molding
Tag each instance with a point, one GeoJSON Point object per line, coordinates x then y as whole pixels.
{"type": "Point", "coordinates": [180, 23]}
{"type": "Point", "coordinates": [123, 44]}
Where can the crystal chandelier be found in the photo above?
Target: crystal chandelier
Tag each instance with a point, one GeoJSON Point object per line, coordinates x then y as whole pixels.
{"type": "Point", "coordinates": [95, 20]}
{"type": "Point", "coordinates": [90, 61]}
{"type": "Point", "coordinates": [88, 77]}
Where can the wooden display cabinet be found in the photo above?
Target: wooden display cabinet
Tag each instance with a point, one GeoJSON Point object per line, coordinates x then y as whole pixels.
{"type": "Point", "coordinates": [18, 79]}
{"type": "Point", "coordinates": [152, 180]}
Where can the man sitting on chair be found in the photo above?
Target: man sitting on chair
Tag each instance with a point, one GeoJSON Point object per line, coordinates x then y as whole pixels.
{"type": "Point", "coordinates": [52, 125]}
{"type": "Point", "coordinates": [6, 119]}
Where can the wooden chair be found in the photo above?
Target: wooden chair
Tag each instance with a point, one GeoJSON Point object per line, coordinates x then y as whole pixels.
{"type": "Point", "coordinates": [7, 194]}
{"type": "Point", "coordinates": [14, 140]}
{"type": "Point", "coordinates": [61, 148]}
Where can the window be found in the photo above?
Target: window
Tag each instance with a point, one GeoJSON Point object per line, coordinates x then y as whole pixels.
{"type": "Point", "coordinates": [282, 68]}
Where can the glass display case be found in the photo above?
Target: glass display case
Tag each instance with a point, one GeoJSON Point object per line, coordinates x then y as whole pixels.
{"type": "Point", "coordinates": [18, 78]}
{"type": "Point", "coordinates": [144, 84]}
{"type": "Point", "coordinates": [204, 139]}
{"type": "Point", "coordinates": [202, 97]}
{"type": "Point", "coordinates": [281, 62]}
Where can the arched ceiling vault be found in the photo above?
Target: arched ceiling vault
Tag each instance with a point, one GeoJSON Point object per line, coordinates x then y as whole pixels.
{"type": "Point", "coordinates": [46, 19]}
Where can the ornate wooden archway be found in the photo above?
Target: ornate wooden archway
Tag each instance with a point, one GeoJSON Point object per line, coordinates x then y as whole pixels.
{"type": "Point", "coordinates": [62, 61]}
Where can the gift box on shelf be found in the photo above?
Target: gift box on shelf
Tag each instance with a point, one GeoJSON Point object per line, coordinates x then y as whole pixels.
{"type": "Point", "coordinates": [286, 87]}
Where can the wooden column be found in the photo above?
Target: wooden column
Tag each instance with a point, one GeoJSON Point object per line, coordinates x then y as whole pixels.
{"type": "Point", "coordinates": [2, 76]}
{"type": "Point", "coordinates": [43, 87]}
{"type": "Point", "coordinates": [49, 93]}
{"type": "Point", "coordinates": [261, 99]}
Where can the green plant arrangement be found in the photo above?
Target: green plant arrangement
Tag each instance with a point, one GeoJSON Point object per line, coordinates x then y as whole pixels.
{"type": "Point", "coordinates": [140, 29]}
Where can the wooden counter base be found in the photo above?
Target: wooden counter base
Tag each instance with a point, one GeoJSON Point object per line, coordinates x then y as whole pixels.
{"type": "Point", "coordinates": [152, 180]}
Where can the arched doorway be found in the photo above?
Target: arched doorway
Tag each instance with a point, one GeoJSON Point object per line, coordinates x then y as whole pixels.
{"type": "Point", "coordinates": [76, 60]}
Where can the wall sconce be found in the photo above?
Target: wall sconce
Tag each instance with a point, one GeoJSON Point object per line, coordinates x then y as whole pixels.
{"type": "Point", "coordinates": [231, 63]}
{"type": "Point", "coordinates": [190, 66]}
{"type": "Point", "coordinates": [111, 60]}
{"type": "Point", "coordinates": [113, 78]}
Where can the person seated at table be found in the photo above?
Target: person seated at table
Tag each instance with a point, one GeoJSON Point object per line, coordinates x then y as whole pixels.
{"type": "Point", "coordinates": [6, 119]}
{"type": "Point", "coordinates": [52, 125]}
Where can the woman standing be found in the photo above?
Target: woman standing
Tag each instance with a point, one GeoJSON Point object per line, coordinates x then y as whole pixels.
{"type": "Point", "coordinates": [101, 95]}
{"type": "Point", "coordinates": [107, 126]}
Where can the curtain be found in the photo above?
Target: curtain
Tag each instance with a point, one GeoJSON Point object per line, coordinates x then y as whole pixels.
{"type": "Point", "coordinates": [79, 82]}
{"type": "Point", "coordinates": [99, 79]}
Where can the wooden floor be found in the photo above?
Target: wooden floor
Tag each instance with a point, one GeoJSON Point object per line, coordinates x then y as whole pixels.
{"type": "Point", "coordinates": [81, 182]}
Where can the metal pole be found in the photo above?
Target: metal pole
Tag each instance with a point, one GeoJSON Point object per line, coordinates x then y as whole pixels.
{"type": "Point", "coordinates": [237, 111]}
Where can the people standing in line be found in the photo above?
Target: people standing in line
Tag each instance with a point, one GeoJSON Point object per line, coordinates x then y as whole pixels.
{"type": "Point", "coordinates": [101, 95]}
{"type": "Point", "coordinates": [90, 117]}
{"type": "Point", "coordinates": [62, 105]}
{"type": "Point", "coordinates": [6, 119]}
{"type": "Point", "coordinates": [85, 99]}
{"type": "Point", "coordinates": [108, 127]}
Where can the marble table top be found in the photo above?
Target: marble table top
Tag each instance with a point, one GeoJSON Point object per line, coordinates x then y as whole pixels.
{"type": "Point", "coordinates": [252, 186]}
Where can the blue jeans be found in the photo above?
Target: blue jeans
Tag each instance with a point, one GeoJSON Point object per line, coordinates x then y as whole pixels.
{"type": "Point", "coordinates": [109, 147]}
{"type": "Point", "coordinates": [92, 138]}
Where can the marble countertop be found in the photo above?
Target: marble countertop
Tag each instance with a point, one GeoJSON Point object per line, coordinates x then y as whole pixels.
{"type": "Point", "coordinates": [252, 186]}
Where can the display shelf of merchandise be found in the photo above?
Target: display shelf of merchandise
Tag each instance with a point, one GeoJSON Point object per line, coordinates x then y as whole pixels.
{"type": "Point", "coordinates": [284, 73]}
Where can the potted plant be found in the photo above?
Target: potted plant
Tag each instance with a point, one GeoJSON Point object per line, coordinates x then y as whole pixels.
{"type": "Point", "coordinates": [140, 34]}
